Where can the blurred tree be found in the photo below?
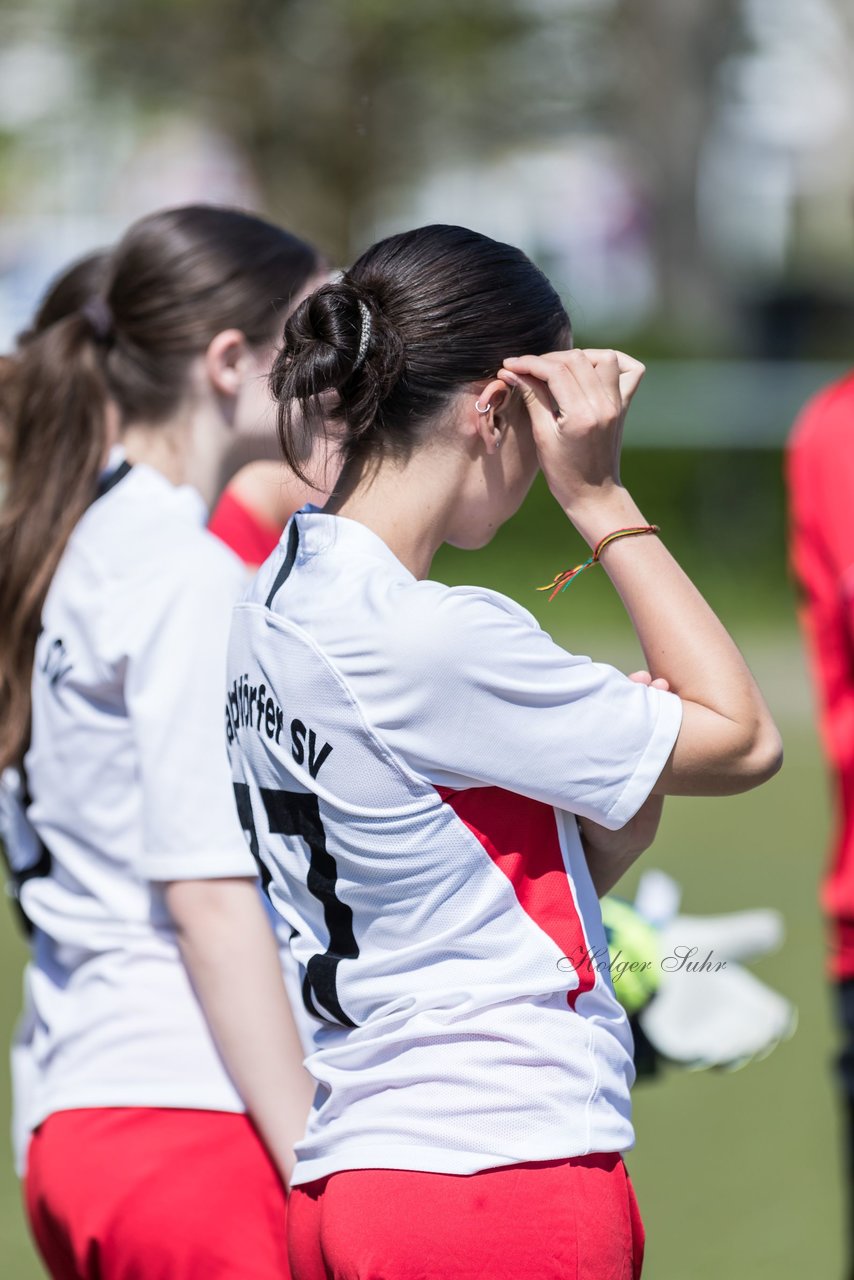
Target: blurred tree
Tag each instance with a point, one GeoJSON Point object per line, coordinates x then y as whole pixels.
{"type": "Point", "coordinates": [669, 56]}
{"type": "Point", "coordinates": [336, 103]}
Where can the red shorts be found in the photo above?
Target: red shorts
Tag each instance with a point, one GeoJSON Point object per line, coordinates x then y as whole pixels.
{"type": "Point", "coordinates": [155, 1194]}
{"type": "Point", "coordinates": [569, 1219]}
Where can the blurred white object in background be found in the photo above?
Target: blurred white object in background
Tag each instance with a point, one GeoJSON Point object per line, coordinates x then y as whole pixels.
{"type": "Point", "coordinates": [709, 1011]}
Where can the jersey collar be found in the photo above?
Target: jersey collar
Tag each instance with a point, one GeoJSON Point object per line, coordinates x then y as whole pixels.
{"type": "Point", "coordinates": [319, 530]}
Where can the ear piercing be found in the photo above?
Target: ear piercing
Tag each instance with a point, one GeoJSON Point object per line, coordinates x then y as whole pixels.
{"type": "Point", "coordinates": [485, 409]}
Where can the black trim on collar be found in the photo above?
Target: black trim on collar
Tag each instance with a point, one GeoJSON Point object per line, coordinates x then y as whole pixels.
{"type": "Point", "coordinates": [287, 564]}
{"type": "Point", "coordinates": [112, 478]}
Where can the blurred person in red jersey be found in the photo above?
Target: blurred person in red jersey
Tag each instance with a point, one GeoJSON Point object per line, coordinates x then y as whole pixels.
{"type": "Point", "coordinates": [820, 478]}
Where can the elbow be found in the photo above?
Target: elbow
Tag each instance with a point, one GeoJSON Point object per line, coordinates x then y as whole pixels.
{"type": "Point", "coordinates": [762, 757]}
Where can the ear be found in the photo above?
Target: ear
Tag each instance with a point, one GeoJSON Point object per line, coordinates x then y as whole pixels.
{"type": "Point", "coordinates": [228, 362]}
{"type": "Point", "coordinates": [486, 413]}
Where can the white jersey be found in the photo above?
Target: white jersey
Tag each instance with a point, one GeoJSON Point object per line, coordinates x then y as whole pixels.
{"type": "Point", "coordinates": [411, 758]}
{"type": "Point", "coordinates": [129, 783]}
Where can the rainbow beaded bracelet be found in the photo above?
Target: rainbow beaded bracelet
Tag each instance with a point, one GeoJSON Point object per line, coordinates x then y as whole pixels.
{"type": "Point", "coordinates": [562, 580]}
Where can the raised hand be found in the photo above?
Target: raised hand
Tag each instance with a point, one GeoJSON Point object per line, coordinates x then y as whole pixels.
{"type": "Point", "coordinates": [577, 403]}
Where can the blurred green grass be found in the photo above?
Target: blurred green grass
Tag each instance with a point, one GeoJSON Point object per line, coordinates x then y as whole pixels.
{"type": "Point", "coordinates": [737, 1175]}
{"type": "Point", "coordinates": [16, 1254]}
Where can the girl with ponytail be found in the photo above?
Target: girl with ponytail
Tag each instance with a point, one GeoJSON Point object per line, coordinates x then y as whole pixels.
{"type": "Point", "coordinates": [452, 789]}
{"type": "Point", "coordinates": [156, 1014]}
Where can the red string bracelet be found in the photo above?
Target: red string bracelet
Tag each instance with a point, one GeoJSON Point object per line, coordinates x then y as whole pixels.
{"type": "Point", "coordinates": [562, 580]}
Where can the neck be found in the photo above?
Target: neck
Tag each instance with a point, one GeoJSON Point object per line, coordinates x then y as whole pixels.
{"type": "Point", "coordinates": [179, 450]}
{"type": "Point", "coordinates": [408, 505]}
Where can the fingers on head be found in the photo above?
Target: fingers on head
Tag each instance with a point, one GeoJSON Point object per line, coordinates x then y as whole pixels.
{"type": "Point", "coordinates": [575, 386]}
{"type": "Point", "coordinates": [628, 364]}
{"type": "Point", "coordinates": [557, 383]}
{"type": "Point", "coordinates": [600, 355]}
{"type": "Point", "coordinates": [539, 384]}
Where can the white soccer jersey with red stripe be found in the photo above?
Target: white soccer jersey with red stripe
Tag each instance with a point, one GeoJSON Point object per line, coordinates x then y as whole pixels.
{"type": "Point", "coordinates": [408, 761]}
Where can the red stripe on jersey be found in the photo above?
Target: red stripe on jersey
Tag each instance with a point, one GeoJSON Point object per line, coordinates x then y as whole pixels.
{"type": "Point", "coordinates": [521, 838]}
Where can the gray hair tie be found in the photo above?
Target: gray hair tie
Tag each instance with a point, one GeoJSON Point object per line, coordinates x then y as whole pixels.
{"type": "Point", "coordinates": [97, 312]}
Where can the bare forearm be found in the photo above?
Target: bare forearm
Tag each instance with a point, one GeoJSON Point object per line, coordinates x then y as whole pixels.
{"type": "Point", "coordinates": [607, 868]}
{"type": "Point", "coordinates": [682, 639]}
{"type": "Point", "coordinates": [231, 955]}
{"type": "Point", "coordinates": [685, 643]}
{"type": "Point", "coordinates": [610, 854]}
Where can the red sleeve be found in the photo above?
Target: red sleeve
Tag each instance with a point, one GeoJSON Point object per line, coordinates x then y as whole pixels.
{"type": "Point", "coordinates": [241, 529]}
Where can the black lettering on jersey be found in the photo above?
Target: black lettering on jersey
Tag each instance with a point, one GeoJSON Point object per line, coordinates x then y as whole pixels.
{"type": "Point", "coordinates": [298, 732]}
{"type": "Point", "coordinates": [292, 813]}
{"type": "Point", "coordinates": [315, 763]}
{"type": "Point", "coordinates": [316, 760]}
{"type": "Point", "coordinates": [251, 706]}
{"type": "Point", "coordinates": [232, 714]}
{"type": "Point", "coordinates": [55, 664]}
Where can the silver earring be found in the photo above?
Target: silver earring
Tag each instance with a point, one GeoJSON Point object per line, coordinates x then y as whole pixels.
{"type": "Point", "coordinates": [497, 438]}
{"type": "Point", "coordinates": [480, 408]}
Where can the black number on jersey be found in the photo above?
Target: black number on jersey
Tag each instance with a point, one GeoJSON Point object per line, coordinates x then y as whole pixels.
{"type": "Point", "coordinates": [247, 822]}
{"type": "Point", "coordinates": [292, 813]}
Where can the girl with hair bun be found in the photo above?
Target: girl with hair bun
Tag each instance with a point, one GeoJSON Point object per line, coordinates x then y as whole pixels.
{"type": "Point", "coordinates": [156, 1014]}
{"type": "Point", "coordinates": [440, 792]}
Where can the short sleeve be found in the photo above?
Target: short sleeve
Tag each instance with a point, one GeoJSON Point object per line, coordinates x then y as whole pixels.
{"type": "Point", "coordinates": [483, 697]}
{"type": "Point", "coordinates": [174, 694]}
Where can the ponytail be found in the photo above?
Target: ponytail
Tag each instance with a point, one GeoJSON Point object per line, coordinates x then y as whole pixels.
{"type": "Point", "coordinates": [54, 409]}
